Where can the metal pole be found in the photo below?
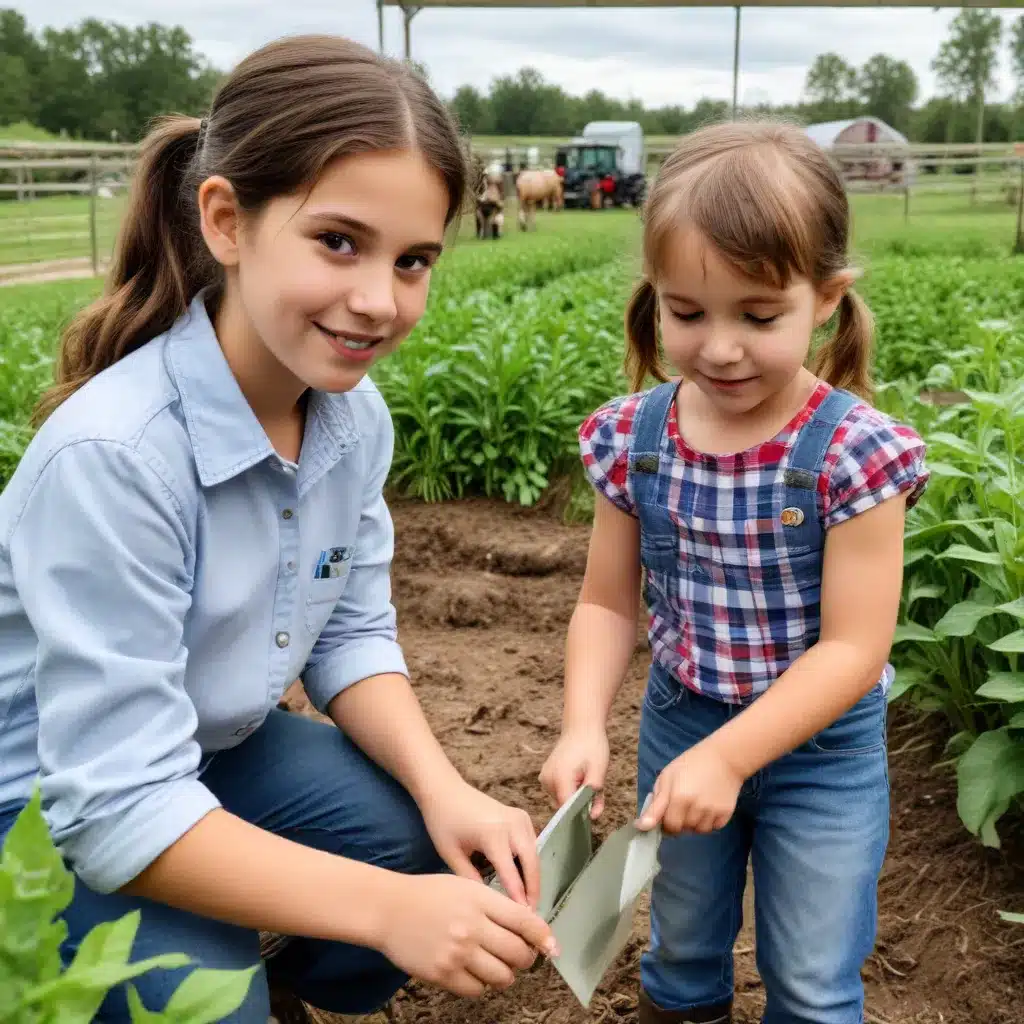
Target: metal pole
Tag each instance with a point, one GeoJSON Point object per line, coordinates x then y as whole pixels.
{"type": "Point", "coordinates": [736, 64]}
{"type": "Point", "coordinates": [380, 26]}
{"type": "Point", "coordinates": [408, 13]}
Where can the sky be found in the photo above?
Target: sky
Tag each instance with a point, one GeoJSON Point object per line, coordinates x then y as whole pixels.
{"type": "Point", "coordinates": [660, 56]}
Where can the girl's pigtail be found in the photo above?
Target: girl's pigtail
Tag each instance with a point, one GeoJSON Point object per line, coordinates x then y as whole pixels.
{"type": "Point", "coordinates": [845, 359]}
{"type": "Point", "coordinates": [642, 357]}
{"type": "Point", "coordinates": [159, 263]}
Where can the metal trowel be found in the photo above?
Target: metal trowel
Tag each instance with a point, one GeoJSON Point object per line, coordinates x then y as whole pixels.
{"type": "Point", "coordinates": [589, 898]}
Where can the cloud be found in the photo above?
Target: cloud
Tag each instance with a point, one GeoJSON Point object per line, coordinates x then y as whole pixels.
{"type": "Point", "coordinates": [657, 55]}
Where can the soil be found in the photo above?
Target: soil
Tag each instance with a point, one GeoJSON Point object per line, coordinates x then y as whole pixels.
{"type": "Point", "coordinates": [484, 593]}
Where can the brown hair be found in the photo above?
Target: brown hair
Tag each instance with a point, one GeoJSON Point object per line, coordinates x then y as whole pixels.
{"type": "Point", "coordinates": [769, 199]}
{"type": "Point", "coordinates": [275, 123]}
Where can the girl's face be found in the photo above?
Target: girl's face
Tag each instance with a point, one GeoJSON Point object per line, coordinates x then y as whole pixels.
{"type": "Point", "coordinates": [332, 281]}
{"type": "Point", "coordinates": [740, 341]}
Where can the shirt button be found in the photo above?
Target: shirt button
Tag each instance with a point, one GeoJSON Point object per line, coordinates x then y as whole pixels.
{"type": "Point", "coordinates": [287, 513]}
{"type": "Point", "coordinates": [282, 639]}
{"type": "Point", "coordinates": [291, 566]}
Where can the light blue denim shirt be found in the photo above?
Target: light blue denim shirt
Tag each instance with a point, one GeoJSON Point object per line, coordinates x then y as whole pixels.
{"type": "Point", "coordinates": [164, 576]}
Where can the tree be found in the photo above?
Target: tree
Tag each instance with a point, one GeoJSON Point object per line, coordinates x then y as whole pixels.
{"type": "Point", "coordinates": [966, 61]}
{"type": "Point", "coordinates": [472, 111]}
{"type": "Point", "coordinates": [527, 105]}
{"type": "Point", "coordinates": [888, 88]}
{"type": "Point", "coordinates": [15, 90]}
{"type": "Point", "coordinates": [20, 60]}
{"type": "Point", "coordinates": [830, 85]}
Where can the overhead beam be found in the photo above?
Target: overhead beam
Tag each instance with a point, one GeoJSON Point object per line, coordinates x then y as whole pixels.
{"type": "Point", "coordinates": [552, 4]}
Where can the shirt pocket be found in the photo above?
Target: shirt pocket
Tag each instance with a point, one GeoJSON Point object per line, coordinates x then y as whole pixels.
{"type": "Point", "coordinates": [330, 577]}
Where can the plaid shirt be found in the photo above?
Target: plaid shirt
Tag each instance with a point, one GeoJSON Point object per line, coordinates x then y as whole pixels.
{"type": "Point", "coordinates": [731, 604]}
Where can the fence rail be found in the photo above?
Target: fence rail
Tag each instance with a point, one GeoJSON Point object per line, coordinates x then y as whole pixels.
{"type": "Point", "coordinates": [99, 173]}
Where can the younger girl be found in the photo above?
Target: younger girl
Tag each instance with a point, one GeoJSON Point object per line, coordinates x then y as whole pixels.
{"type": "Point", "coordinates": [200, 520]}
{"type": "Point", "coordinates": [764, 502]}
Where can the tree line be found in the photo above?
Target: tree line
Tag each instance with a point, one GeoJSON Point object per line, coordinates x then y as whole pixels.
{"type": "Point", "coordinates": [102, 81]}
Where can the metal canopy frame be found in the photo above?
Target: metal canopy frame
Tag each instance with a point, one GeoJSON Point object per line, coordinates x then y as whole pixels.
{"type": "Point", "coordinates": [410, 8]}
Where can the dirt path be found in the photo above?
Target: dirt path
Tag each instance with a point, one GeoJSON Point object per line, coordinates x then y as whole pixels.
{"type": "Point", "coordinates": [484, 594]}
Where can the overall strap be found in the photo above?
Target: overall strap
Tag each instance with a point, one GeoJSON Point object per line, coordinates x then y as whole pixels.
{"type": "Point", "coordinates": [649, 423]}
{"type": "Point", "coordinates": [800, 513]}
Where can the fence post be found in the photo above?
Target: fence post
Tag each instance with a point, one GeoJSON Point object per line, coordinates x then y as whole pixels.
{"type": "Point", "coordinates": [93, 240]}
{"type": "Point", "coordinates": [906, 201]}
{"type": "Point", "coordinates": [1019, 244]}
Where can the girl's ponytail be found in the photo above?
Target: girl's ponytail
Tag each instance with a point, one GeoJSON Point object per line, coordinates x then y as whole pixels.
{"type": "Point", "coordinates": [845, 359]}
{"type": "Point", "coordinates": [160, 262]}
{"type": "Point", "coordinates": [642, 357]}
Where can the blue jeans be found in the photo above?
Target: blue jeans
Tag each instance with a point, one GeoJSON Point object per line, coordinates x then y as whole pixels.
{"type": "Point", "coordinates": [815, 824]}
{"type": "Point", "coordinates": [304, 780]}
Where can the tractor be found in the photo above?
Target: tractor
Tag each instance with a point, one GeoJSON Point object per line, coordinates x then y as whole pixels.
{"type": "Point", "coordinates": [604, 166]}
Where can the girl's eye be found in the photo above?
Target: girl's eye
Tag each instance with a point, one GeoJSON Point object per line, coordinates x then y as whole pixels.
{"type": "Point", "coordinates": [762, 321]}
{"type": "Point", "coordinates": [337, 242]}
{"type": "Point", "coordinates": [410, 261]}
{"type": "Point", "coordinates": [688, 318]}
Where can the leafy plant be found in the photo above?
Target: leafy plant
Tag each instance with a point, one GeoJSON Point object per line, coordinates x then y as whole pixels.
{"type": "Point", "coordinates": [487, 399]}
{"type": "Point", "coordinates": [37, 988]}
{"type": "Point", "coordinates": [961, 634]}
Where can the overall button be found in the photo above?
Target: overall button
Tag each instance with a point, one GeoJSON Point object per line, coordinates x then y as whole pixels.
{"type": "Point", "coordinates": [282, 639]}
{"type": "Point", "coordinates": [287, 513]}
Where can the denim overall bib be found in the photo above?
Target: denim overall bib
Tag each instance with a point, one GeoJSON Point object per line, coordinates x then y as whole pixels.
{"type": "Point", "coordinates": [814, 823]}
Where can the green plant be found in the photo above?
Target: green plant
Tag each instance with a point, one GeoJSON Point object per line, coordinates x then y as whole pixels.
{"type": "Point", "coordinates": [488, 397]}
{"type": "Point", "coordinates": [37, 988]}
{"type": "Point", "coordinates": [961, 634]}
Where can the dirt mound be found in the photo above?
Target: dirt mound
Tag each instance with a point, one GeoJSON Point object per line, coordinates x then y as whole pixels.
{"type": "Point", "coordinates": [484, 594]}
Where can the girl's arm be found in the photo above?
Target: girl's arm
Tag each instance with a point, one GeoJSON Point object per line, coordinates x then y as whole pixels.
{"type": "Point", "coordinates": [603, 629]}
{"type": "Point", "coordinates": [599, 645]}
{"type": "Point", "coordinates": [861, 584]}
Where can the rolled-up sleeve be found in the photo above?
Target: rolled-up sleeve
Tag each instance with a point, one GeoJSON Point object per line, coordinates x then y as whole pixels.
{"type": "Point", "coordinates": [360, 639]}
{"type": "Point", "coordinates": [101, 559]}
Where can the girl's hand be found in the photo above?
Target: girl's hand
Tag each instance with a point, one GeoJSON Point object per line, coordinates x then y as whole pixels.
{"type": "Point", "coordinates": [460, 935]}
{"type": "Point", "coordinates": [580, 758]}
{"type": "Point", "coordinates": [697, 792]}
{"type": "Point", "coordinates": [465, 821]}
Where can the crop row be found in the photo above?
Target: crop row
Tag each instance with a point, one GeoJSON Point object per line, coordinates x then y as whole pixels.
{"type": "Point", "coordinates": [523, 338]}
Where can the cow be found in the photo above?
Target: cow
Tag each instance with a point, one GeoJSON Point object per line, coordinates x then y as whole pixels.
{"type": "Point", "coordinates": [534, 188]}
{"type": "Point", "coordinates": [490, 206]}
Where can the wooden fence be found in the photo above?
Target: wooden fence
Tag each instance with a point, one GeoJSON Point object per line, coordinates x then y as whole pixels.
{"type": "Point", "coordinates": [993, 171]}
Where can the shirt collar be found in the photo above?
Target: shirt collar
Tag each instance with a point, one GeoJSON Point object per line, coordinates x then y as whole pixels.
{"type": "Point", "coordinates": [226, 436]}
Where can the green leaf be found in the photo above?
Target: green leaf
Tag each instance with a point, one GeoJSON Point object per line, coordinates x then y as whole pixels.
{"type": "Point", "coordinates": [906, 679]}
{"type": "Point", "coordinates": [1017, 722]}
{"type": "Point", "coordinates": [911, 631]}
{"type": "Point", "coordinates": [138, 1011]}
{"type": "Point", "coordinates": [1012, 918]}
{"type": "Point", "coordinates": [1006, 539]}
{"type": "Point", "coordinates": [965, 553]}
{"type": "Point", "coordinates": [208, 995]}
{"type": "Point", "coordinates": [1012, 643]}
{"type": "Point", "coordinates": [1004, 686]}
{"type": "Point", "coordinates": [923, 591]}
{"type": "Point", "coordinates": [1014, 608]}
{"type": "Point", "coordinates": [958, 444]}
{"type": "Point", "coordinates": [944, 469]}
{"type": "Point", "coordinates": [35, 887]}
{"type": "Point", "coordinates": [962, 619]}
{"type": "Point", "coordinates": [990, 774]}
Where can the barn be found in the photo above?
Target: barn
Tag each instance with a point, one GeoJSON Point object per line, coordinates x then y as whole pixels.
{"type": "Point", "coordinates": [882, 169]}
